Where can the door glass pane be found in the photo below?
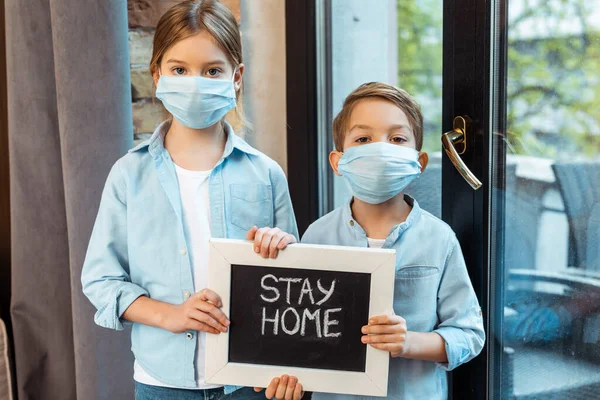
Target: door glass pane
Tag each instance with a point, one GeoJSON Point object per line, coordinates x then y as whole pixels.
{"type": "Point", "coordinates": [398, 42]}
{"type": "Point", "coordinates": [549, 232]}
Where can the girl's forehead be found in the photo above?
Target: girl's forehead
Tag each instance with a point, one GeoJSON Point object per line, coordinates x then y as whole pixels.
{"type": "Point", "coordinates": [198, 49]}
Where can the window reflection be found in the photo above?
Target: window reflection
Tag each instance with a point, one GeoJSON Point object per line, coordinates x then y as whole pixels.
{"type": "Point", "coordinates": [551, 323]}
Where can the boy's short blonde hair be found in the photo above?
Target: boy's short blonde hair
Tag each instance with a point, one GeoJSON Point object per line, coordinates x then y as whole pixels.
{"type": "Point", "coordinates": [399, 97]}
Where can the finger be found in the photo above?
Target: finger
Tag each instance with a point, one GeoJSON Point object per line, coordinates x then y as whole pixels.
{"type": "Point", "coordinates": [272, 388]}
{"type": "Point", "coordinates": [380, 329]}
{"type": "Point", "coordinates": [212, 310]}
{"type": "Point", "coordinates": [291, 386]}
{"type": "Point", "coordinates": [207, 319]}
{"type": "Point", "coordinates": [288, 239]}
{"type": "Point", "coordinates": [258, 389]}
{"type": "Point", "coordinates": [280, 393]}
{"type": "Point", "coordinates": [274, 246]}
{"type": "Point", "coordinates": [298, 392]}
{"type": "Point", "coordinates": [250, 234]}
{"type": "Point", "coordinates": [208, 295]}
{"type": "Point", "coordinates": [201, 326]}
{"type": "Point", "coordinates": [258, 238]}
{"type": "Point", "coordinates": [392, 348]}
{"type": "Point", "coordinates": [266, 241]}
{"type": "Point", "coordinates": [386, 320]}
{"type": "Point", "coordinates": [382, 339]}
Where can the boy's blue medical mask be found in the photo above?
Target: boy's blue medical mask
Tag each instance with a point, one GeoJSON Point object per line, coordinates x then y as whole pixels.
{"type": "Point", "coordinates": [376, 172]}
{"type": "Point", "coordinates": [196, 101]}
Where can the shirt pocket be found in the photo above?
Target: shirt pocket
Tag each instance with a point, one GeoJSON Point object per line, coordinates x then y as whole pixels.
{"type": "Point", "coordinates": [415, 296]}
{"type": "Point", "coordinates": [251, 204]}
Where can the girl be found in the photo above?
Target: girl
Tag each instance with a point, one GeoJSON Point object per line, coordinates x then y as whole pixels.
{"type": "Point", "coordinates": [192, 180]}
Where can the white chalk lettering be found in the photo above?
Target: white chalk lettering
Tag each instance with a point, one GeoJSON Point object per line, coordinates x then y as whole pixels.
{"type": "Point", "coordinates": [306, 289]}
{"type": "Point", "coordinates": [327, 293]}
{"type": "Point", "coordinates": [296, 325]}
{"type": "Point", "coordinates": [289, 282]}
{"type": "Point", "coordinates": [275, 321]}
{"type": "Point", "coordinates": [271, 288]}
{"type": "Point", "coordinates": [327, 322]}
{"type": "Point", "coordinates": [316, 316]}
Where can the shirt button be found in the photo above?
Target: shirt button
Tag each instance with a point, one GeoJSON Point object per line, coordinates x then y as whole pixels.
{"type": "Point", "coordinates": [351, 223]}
{"type": "Point", "coordinates": [183, 251]}
{"type": "Point", "coordinates": [189, 335]}
{"type": "Point", "coordinates": [186, 294]}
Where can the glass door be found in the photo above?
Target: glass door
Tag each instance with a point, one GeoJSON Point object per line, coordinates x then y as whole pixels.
{"type": "Point", "coordinates": [545, 206]}
{"type": "Point", "coordinates": [523, 77]}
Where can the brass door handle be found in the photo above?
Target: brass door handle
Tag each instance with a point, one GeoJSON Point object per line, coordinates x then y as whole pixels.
{"type": "Point", "coordinates": [457, 137]}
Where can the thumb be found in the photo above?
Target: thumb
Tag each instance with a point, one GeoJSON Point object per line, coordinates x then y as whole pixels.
{"type": "Point", "coordinates": [251, 233]}
{"type": "Point", "coordinates": [258, 389]}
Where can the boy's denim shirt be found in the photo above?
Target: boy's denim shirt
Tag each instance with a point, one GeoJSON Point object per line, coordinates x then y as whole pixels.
{"type": "Point", "coordinates": [138, 247]}
{"type": "Point", "coordinates": [432, 292]}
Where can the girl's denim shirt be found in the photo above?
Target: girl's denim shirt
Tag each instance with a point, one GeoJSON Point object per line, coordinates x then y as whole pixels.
{"type": "Point", "coordinates": [138, 247]}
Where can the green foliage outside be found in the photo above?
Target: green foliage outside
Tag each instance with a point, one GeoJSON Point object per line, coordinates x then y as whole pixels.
{"type": "Point", "coordinates": [553, 90]}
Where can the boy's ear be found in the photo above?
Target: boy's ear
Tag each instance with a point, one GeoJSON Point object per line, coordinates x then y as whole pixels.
{"type": "Point", "coordinates": [334, 159]}
{"type": "Point", "coordinates": [423, 160]}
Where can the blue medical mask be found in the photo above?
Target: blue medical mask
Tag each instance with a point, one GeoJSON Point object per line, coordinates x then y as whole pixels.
{"type": "Point", "coordinates": [376, 172]}
{"type": "Point", "coordinates": [195, 101]}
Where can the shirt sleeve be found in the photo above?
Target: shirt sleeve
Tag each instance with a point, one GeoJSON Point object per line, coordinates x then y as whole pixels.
{"type": "Point", "coordinates": [459, 313]}
{"type": "Point", "coordinates": [105, 275]}
{"type": "Point", "coordinates": [284, 217]}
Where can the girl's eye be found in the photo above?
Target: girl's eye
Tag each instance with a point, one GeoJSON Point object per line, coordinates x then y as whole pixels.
{"type": "Point", "coordinates": [399, 139]}
{"type": "Point", "coordinates": [213, 72]}
{"type": "Point", "coordinates": [178, 71]}
{"type": "Point", "coordinates": [362, 140]}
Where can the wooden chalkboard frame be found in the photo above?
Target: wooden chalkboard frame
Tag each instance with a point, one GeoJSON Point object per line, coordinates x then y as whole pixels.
{"type": "Point", "coordinates": [378, 262]}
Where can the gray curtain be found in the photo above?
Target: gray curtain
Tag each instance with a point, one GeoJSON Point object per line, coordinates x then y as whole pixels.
{"type": "Point", "coordinates": [69, 108]}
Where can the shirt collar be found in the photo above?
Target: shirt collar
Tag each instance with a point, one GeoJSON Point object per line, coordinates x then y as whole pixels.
{"type": "Point", "coordinates": [395, 232]}
{"type": "Point", "coordinates": [156, 144]}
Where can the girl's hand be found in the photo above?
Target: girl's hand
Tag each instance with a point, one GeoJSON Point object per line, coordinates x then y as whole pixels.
{"type": "Point", "coordinates": [386, 332]}
{"type": "Point", "coordinates": [268, 241]}
{"type": "Point", "coordinates": [283, 388]}
{"type": "Point", "coordinates": [201, 312]}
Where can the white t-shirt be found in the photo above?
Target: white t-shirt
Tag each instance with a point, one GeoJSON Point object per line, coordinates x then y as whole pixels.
{"type": "Point", "coordinates": [193, 189]}
{"type": "Point", "coordinates": [376, 243]}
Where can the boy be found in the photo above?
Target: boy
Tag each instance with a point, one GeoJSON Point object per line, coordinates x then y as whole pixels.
{"type": "Point", "coordinates": [437, 323]}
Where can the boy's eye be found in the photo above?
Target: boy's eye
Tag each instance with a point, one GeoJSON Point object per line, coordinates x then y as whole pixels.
{"type": "Point", "coordinates": [213, 72]}
{"type": "Point", "coordinates": [178, 71]}
{"type": "Point", "coordinates": [362, 140]}
{"type": "Point", "coordinates": [399, 139]}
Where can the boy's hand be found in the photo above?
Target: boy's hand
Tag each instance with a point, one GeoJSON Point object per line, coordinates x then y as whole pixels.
{"type": "Point", "coordinates": [268, 241]}
{"type": "Point", "coordinates": [386, 332]}
{"type": "Point", "coordinates": [283, 388]}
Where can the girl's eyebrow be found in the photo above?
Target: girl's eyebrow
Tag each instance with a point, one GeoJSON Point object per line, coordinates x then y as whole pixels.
{"type": "Point", "coordinates": [174, 61]}
{"type": "Point", "coordinates": [214, 62]}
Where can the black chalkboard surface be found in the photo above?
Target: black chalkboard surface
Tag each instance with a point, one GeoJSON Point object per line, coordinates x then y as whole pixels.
{"type": "Point", "coordinates": [298, 317]}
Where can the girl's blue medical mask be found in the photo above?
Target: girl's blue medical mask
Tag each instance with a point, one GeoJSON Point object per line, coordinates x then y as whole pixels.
{"type": "Point", "coordinates": [376, 172]}
{"type": "Point", "coordinates": [196, 101]}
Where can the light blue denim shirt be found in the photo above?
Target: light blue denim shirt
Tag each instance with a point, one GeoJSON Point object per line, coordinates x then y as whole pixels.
{"type": "Point", "coordinates": [432, 292]}
{"type": "Point", "coordinates": [138, 247]}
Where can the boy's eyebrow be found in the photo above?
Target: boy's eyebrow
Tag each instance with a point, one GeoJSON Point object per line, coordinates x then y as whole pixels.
{"type": "Point", "coordinates": [400, 126]}
{"type": "Point", "coordinates": [358, 126]}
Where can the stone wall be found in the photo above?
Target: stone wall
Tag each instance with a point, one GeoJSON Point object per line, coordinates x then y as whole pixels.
{"type": "Point", "coordinates": [143, 18]}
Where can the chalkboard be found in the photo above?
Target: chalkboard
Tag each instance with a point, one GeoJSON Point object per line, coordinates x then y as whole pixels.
{"type": "Point", "coordinates": [300, 314]}
{"type": "Point", "coordinates": [298, 317]}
